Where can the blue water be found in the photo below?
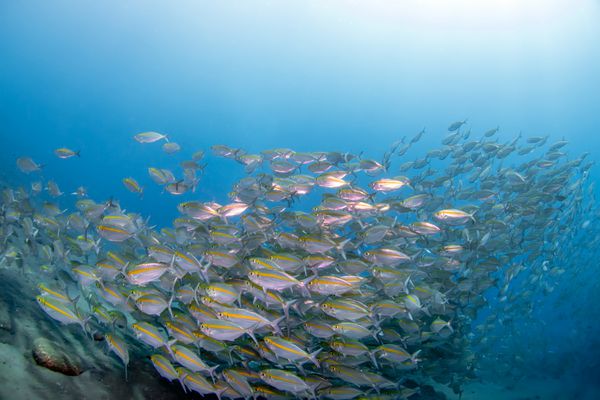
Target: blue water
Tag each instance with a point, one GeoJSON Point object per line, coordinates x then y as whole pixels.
{"type": "Point", "coordinates": [337, 75]}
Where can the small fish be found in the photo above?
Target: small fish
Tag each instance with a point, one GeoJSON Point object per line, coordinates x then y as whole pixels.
{"type": "Point", "coordinates": [27, 165]}
{"type": "Point", "coordinates": [164, 367]}
{"type": "Point", "coordinates": [149, 334]}
{"type": "Point", "coordinates": [113, 233]}
{"type": "Point", "coordinates": [61, 311]}
{"type": "Point", "coordinates": [288, 350]}
{"type": "Point", "coordinates": [284, 380]}
{"type": "Point", "coordinates": [456, 125]}
{"type": "Point", "coordinates": [197, 383]}
{"type": "Point", "coordinates": [63, 153]}
{"type": "Point", "coordinates": [133, 186]}
{"type": "Point", "coordinates": [149, 137]}
{"type": "Point", "coordinates": [144, 273]}
{"type": "Point", "coordinates": [191, 360]}
{"type": "Point", "coordinates": [453, 216]}
{"type": "Point", "coordinates": [224, 330]}
{"type": "Point", "coordinates": [171, 147]}
{"type": "Point", "coordinates": [118, 346]}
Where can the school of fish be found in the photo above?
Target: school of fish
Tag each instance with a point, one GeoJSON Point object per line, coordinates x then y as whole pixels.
{"type": "Point", "coordinates": [327, 275]}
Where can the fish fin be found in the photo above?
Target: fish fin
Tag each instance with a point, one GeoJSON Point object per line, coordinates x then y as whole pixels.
{"type": "Point", "coordinates": [123, 271]}
{"type": "Point", "coordinates": [313, 357]}
{"type": "Point", "coordinates": [219, 392]}
{"type": "Point", "coordinates": [211, 371]}
{"type": "Point", "coordinates": [168, 346]}
{"type": "Point", "coordinates": [275, 324]}
{"type": "Point", "coordinates": [340, 248]}
{"type": "Point", "coordinates": [170, 304]}
{"type": "Point", "coordinates": [185, 390]}
{"type": "Point", "coordinates": [286, 308]}
{"type": "Point", "coordinates": [373, 359]}
{"type": "Point", "coordinates": [413, 357]}
{"type": "Point", "coordinates": [426, 311]}
{"type": "Point", "coordinates": [250, 333]}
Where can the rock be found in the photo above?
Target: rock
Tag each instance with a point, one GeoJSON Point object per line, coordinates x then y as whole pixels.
{"type": "Point", "coordinates": [52, 356]}
{"type": "Point", "coordinates": [5, 320]}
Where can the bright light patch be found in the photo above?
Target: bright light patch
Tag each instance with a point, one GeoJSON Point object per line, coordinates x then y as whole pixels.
{"type": "Point", "coordinates": [467, 14]}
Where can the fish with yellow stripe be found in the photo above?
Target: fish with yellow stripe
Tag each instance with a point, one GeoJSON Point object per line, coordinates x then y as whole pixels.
{"type": "Point", "coordinates": [61, 311]}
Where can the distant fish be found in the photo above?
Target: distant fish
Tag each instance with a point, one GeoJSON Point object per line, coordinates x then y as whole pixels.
{"type": "Point", "coordinates": [456, 125]}
{"type": "Point", "coordinates": [27, 165]}
{"type": "Point", "coordinates": [171, 147]}
{"type": "Point", "coordinates": [133, 186]}
{"type": "Point", "coordinates": [80, 191]}
{"type": "Point", "coordinates": [149, 137]}
{"type": "Point", "coordinates": [53, 189]}
{"type": "Point", "coordinates": [197, 156]}
{"type": "Point", "coordinates": [63, 152]}
{"type": "Point", "coordinates": [161, 176]}
{"type": "Point", "coordinates": [491, 132]}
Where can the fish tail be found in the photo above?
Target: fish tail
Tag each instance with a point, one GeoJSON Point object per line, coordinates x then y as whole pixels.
{"type": "Point", "coordinates": [413, 357]}
{"type": "Point", "coordinates": [313, 357]}
{"type": "Point", "coordinates": [251, 334]}
{"type": "Point", "coordinates": [168, 346]}
{"type": "Point", "coordinates": [211, 371]}
{"type": "Point", "coordinates": [275, 324]}
{"type": "Point", "coordinates": [373, 359]}
{"type": "Point", "coordinates": [170, 304]}
{"type": "Point", "coordinates": [219, 392]}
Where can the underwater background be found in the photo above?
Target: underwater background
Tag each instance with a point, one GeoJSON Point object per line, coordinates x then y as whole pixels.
{"type": "Point", "coordinates": [343, 76]}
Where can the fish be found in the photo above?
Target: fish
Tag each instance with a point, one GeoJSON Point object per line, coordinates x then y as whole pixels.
{"type": "Point", "coordinates": [149, 334]}
{"type": "Point", "coordinates": [164, 367]}
{"type": "Point", "coordinates": [197, 383]}
{"type": "Point", "coordinates": [456, 125]}
{"type": "Point", "coordinates": [63, 152]}
{"type": "Point", "coordinates": [27, 165]}
{"type": "Point", "coordinates": [319, 273]}
{"type": "Point", "coordinates": [144, 273]}
{"type": "Point", "coordinates": [119, 347]}
{"type": "Point", "coordinates": [224, 330]}
{"type": "Point", "coordinates": [191, 360]}
{"type": "Point", "coordinates": [290, 351]}
{"type": "Point", "coordinates": [171, 147]}
{"type": "Point", "coordinates": [149, 137]}
{"type": "Point", "coordinates": [285, 381]}
{"type": "Point", "coordinates": [133, 186]}
{"type": "Point", "coordinates": [61, 311]}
